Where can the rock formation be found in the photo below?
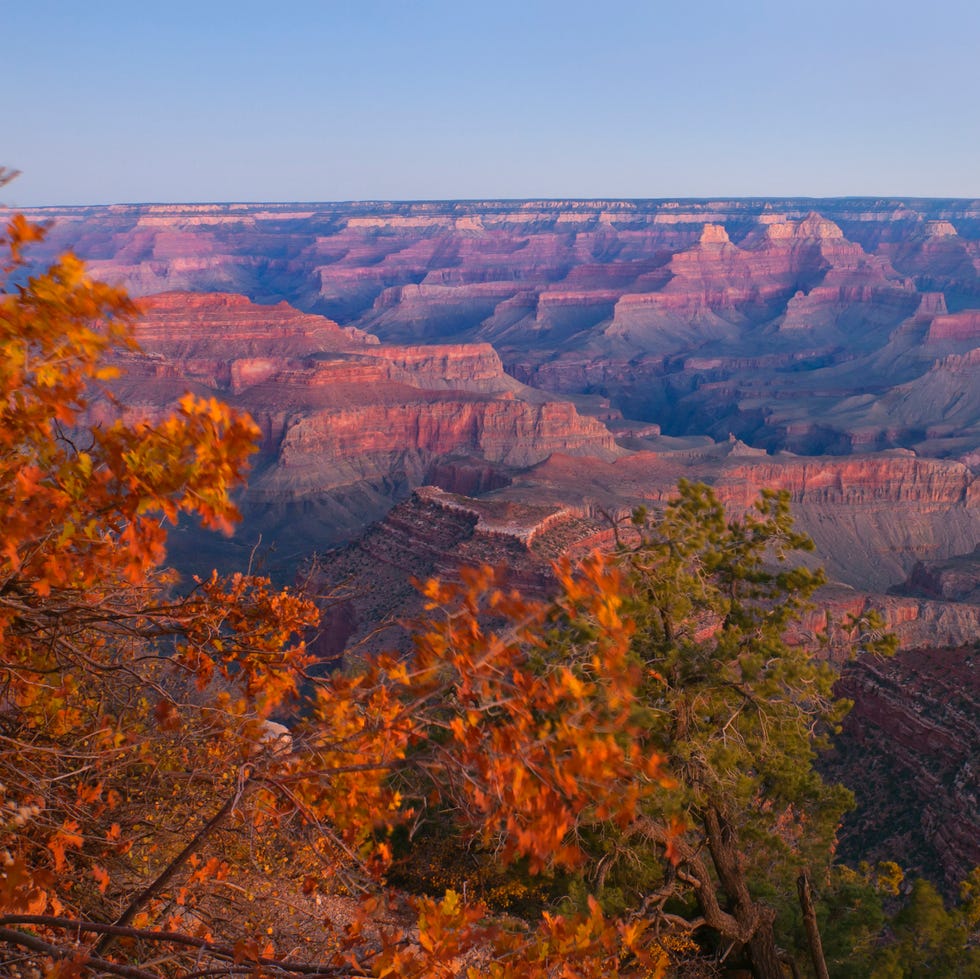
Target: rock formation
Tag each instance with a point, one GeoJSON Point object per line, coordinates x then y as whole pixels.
{"type": "Point", "coordinates": [538, 518]}
{"type": "Point", "coordinates": [956, 579]}
{"type": "Point", "coordinates": [821, 327]}
{"type": "Point", "coordinates": [909, 751]}
{"type": "Point", "coordinates": [348, 425]}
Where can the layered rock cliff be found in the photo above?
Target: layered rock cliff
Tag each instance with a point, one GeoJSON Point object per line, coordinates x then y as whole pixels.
{"type": "Point", "coordinates": [956, 579]}
{"type": "Point", "coordinates": [871, 517]}
{"type": "Point", "coordinates": [909, 751]}
{"type": "Point", "coordinates": [348, 425]}
{"type": "Point", "coordinates": [435, 534]}
{"type": "Point", "coordinates": [813, 326]}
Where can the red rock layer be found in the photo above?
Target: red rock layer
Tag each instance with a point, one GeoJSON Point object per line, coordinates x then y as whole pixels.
{"type": "Point", "coordinates": [187, 324]}
{"type": "Point", "coordinates": [321, 451]}
{"type": "Point", "coordinates": [956, 326]}
{"type": "Point", "coordinates": [341, 415]}
{"type": "Point", "coordinates": [915, 622]}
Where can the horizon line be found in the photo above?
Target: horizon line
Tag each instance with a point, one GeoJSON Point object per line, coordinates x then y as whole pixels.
{"type": "Point", "coordinates": [551, 201]}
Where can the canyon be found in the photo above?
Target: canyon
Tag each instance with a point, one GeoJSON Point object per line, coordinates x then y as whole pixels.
{"type": "Point", "coordinates": [818, 327]}
{"type": "Point", "coordinates": [439, 383]}
{"type": "Point", "coordinates": [348, 424]}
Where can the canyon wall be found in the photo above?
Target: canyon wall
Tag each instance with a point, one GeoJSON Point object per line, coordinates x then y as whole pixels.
{"type": "Point", "coordinates": [909, 751]}
{"type": "Point", "coordinates": [822, 327]}
{"type": "Point", "coordinates": [435, 533]}
{"type": "Point", "coordinates": [349, 425]}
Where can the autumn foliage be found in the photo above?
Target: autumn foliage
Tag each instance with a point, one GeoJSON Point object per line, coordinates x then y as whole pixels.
{"type": "Point", "coordinates": [100, 652]}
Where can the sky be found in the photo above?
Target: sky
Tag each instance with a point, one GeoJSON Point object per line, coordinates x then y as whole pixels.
{"type": "Point", "coordinates": [108, 101]}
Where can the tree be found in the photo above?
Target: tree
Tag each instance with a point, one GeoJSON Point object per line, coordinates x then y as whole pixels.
{"type": "Point", "coordinates": [927, 938]}
{"type": "Point", "coordinates": [739, 711]}
{"type": "Point", "coordinates": [694, 608]}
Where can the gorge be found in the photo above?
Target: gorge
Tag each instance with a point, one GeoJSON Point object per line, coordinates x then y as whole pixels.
{"type": "Point", "coordinates": [449, 382]}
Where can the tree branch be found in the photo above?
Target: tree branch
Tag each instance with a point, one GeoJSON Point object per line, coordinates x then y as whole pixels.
{"type": "Point", "coordinates": [143, 934]}
{"type": "Point", "coordinates": [35, 944]}
{"type": "Point", "coordinates": [174, 866]}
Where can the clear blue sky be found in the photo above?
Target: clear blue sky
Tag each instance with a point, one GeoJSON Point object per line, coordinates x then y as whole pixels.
{"type": "Point", "coordinates": [234, 100]}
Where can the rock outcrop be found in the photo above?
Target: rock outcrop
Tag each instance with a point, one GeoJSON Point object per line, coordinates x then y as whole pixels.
{"type": "Point", "coordinates": [865, 535]}
{"type": "Point", "coordinates": [435, 534]}
{"type": "Point", "coordinates": [871, 517]}
{"type": "Point", "coordinates": [349, 425]}
{"type": "Point", "coordinates": [957, 579]}
{"type": "Point", "coordinates": [738, 319]}
{"type": "Point", "coordinates": [963, 327]}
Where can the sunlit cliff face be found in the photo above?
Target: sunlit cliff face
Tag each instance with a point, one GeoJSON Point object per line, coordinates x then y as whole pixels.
{"type": "Point", "coordinates": [785, 322]}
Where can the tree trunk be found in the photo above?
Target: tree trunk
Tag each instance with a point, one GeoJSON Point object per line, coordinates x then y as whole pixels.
{"type": "Point", "coordinates": [763, 955]}
{"type": "Point", "coordinates": [812, 930]}
{"type": "Point", "coordinates": [754, 919]}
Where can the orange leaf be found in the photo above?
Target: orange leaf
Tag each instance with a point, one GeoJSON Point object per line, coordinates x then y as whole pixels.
{"type": "Point", "coordinates": [102, 876]}
{"type": "Point", "coordinates": [66, 838]}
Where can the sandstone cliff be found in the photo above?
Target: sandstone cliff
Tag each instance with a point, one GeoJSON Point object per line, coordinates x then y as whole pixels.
{"type": "Point", "coordinates": [348, 425]}
{"type": "Point", "coordinates": [865, 533]}
{"type": "Point", "coordinates": [871, 517]}
{"type": "Point", "coordinates": [795, 324]}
